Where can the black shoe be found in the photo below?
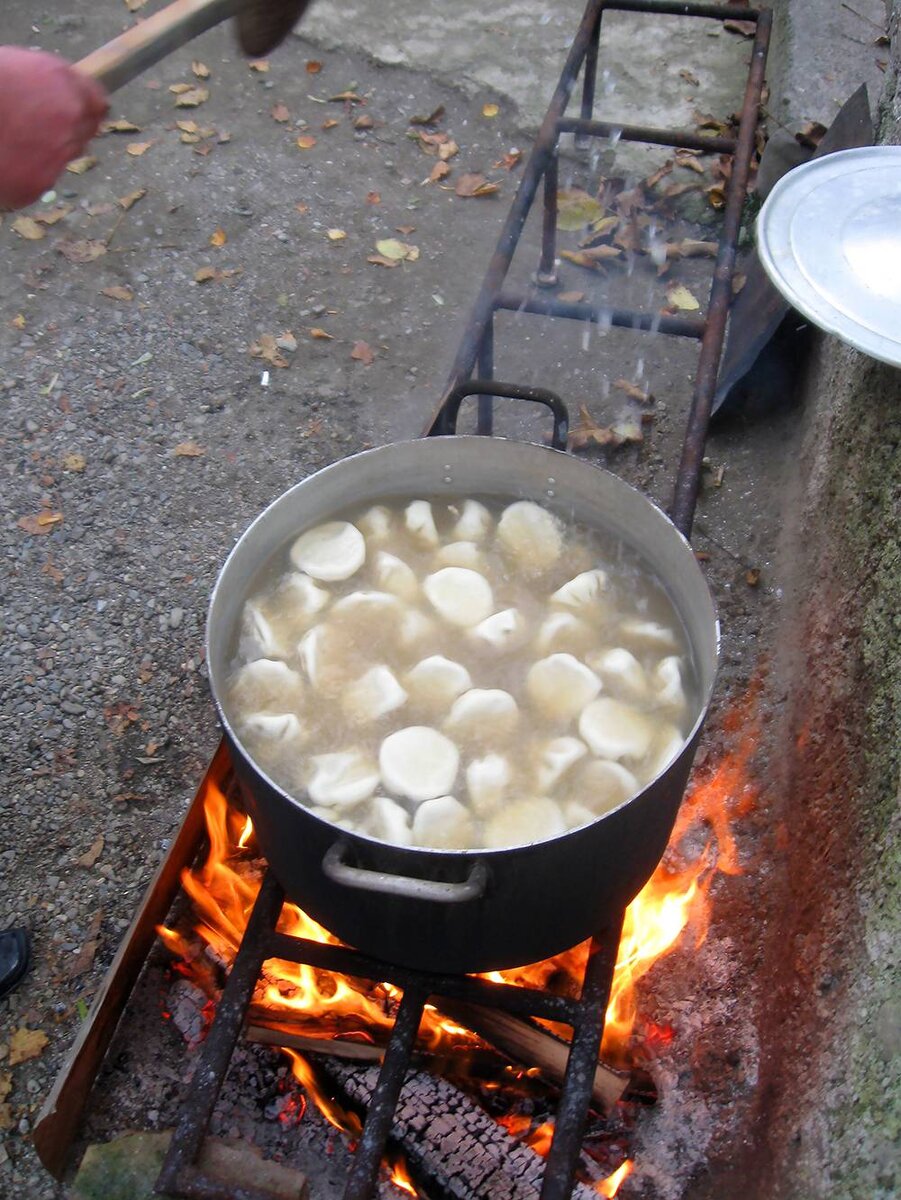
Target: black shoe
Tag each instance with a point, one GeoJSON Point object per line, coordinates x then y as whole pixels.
{"type": "Point", "coordinates": [15, 947]}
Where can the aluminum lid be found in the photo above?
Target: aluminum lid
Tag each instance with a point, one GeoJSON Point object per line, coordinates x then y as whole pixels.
{"type": "Point", "coordinates": [829, 237]}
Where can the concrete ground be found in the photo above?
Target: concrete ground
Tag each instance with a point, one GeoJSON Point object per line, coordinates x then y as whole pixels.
{"type": "Point", "coordinates": [139, 439]}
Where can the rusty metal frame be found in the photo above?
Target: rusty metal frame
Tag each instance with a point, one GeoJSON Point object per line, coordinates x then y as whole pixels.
{"type": "Point", "coordinates": [476, 350]}
{"type": "Point", "coordinates": [180, 1175]}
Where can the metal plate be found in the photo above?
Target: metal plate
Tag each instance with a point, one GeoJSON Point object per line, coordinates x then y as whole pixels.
{"type": "Point", "coordinates": [829, 237]}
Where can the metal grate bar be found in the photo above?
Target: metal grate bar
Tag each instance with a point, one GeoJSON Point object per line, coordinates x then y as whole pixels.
{"type": "Point", "coordinates": [647, 133]}
{"type": "Point", "coordinates": [626, 318]}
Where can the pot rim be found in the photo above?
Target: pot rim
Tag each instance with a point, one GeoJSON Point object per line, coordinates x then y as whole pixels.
{"type": "Point", "coordinates": [472, 853]}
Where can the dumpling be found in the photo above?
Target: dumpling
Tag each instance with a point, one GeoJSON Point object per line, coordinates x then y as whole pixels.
{"type": "Point", "coordinates": [614, 730]}
{"type": "Point", "coordinates": [335, 550]}
{"type": "Point", "coordinates": [530, 535]}
{"type": "Point", "coordinates": [418, 763]}
{"type": "Point", "coordinates": [502, 631]}
{"type": "Point", "coordinates": [443, 824]}
{"type": "Point", "coordinates": [524, 822]}
{"type": "Point", "coordinates": [474, 523]}
{"type": "Point", "coordinates": [436, 682]}
{"type": "Point", "coordinates": [266, 685]}
{"type": "Point", "coordinates": [483, 713]}
{"type": "Point", "coordinates": [487, 781]}
{"type": "Point", "coordinates": [420, 523]}
{"type": "Point", "coordinates": [342, 779]}
{"type": "Point", "coordinates": [622, 674]}
{"type": "Point", "coordinates": [560, 686]}
{"type": "Point", "coordinates": [460, 596]}
{"type": "Point", "coordinates": [373, 695]}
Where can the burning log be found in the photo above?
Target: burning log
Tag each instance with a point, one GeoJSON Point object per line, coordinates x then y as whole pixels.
{"type": "Point", "coordinates": [520, 1039]}
{"type": "Point", "coordinates": [450, 1143]}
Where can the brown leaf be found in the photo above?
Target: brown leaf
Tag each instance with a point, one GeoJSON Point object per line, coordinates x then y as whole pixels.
{"type": "Point", "coordinates": [379, 260]}
{"type": "Point", "coordinates": [432, 119]}
{"type": "Point", "coordinates": [633, 391]}
{"type": "Point", "coordinates": [313, 67]}
{"type": "Point", "coordinates": [90, 856]}
{"type": "Point", "coordinates": [592, 258]}
{"type": "Point", "coordinates": [6, 1084]}
{"type": "Point", "coordinates": [74, 462]}
{"type": "Point", "coordinates": [134, 5]}
{"type": "Point", "coordinates": [679, 189]}
{"type": "Point", "coordinates": [18, 321]}
{"type": "Point", "coordinates": [136, 149]}
{"type": "Point", "coordinates": [132, 198]}
{"type": "Point", "coordinates": [188, 450]}
{"type": "Point", "coordinates": [689, 77]}
{"type": "Point", "coordinates": [78, 166]}
{"type": "Point", "coordinates": [179, 89]}
{"type": "Point", "coordinates": [690, 161]}
{"type": "Point", "coordinates": [571, 297]}
{"type": "Point", "coordinates": [576, 209]}
{"type": "Point", "coordinates": [52, 215]}
{"type": "Point", "coordinates": [348, 97]}
{"type": "Point", "coordinates": [28, 228]}
{"type": "Point", "coordinates": [509, 161]}
{"type": "Point", "coordinates": [306, 142]}
{"type": "Point", "coordinates": [654, 178]}
{"type": "Point", "coordinates": [40, 523]}
{"type": "Point", "coordinates": [218, 237]}
{"type": "Point", "coordinates": [120, 125]}
{"type": "Point", "coordinates": [716, 196]}
{"type": "Point", "coordinates": [82, 250]}
{"type": "Point", "coordinates": [320, 334]}
{"type": "Point", "coordinates": [335, 235]}
{"type": "Point", "coordinates": [201, 70]}
{"type": "Point", "coordinates": [587, 430]}
{"type": "Point", "coordinates": [689, 248]}
{"type": "Point", "coordinates": [266, 349]}
{"type": "Point", "coordinates": [84, 959]}
{"type": "Point", "coordinates": [205, 274]}
{"type": "Point", "coordinates": [752, 576]}
{"type": "Point", "coordinates": [810, 134]}
{"type": "Point", "coordinates": [330, 123]}
{"type": "Point", "coordinates": [302, 208]}
{"type": "Point", "coordinates": [260, 65]}
{"type": "Point", "coordinates": [448, 150]}
{"type": "Point", "coordinates": [475, 185]}
{"type": "Point", "coordinates": [440, 171]}
{"type": "Point", "coordinates": [490, 110]}
{"type": "Point", "coordinates": [25, 1044]}
{"type": "Point", "coordinates": [280, 113]}
{"type": "Point", "coordinates": [746, 29]}
{"type": "Point", "coordinates": [192, 97]}
{"type": "Point", "coordinates": [373, 198]}
{"type": "Point", "coordinates": [363, 352]}
{"type": "Point", "coordinates": [363, 122]}
{"type": "Point", "coordinates": [679, 297]}
{"type": "Point", "coordinates": [406, 230]}
{"type": "Point", "coordinates": [119, 293]}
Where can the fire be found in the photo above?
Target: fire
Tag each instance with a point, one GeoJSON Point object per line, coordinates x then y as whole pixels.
{"type": "Point", "coordinates": [400, 1176]}
{"type": "Point", "coordinates": [224, 887]}
{"type": "Point", "coordinates": [610, 1186]}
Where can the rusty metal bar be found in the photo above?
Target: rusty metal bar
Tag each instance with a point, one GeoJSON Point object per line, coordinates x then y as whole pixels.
{"type": "Point", "coordinates": [599, 314]}
{"type": "Point", "coordinates": [546, 275]}
{"type": "Point", "coordinates": [688, 477]}
{"type": "Point", "coordinates": [589, 80]}
{"type": "Point", "coordinates": [179, 1175]}
{"type": "Point", "coordinates": [572, 1109]}
{"type": "Point", "coordinates": [364, 1172]}
{"type": "Point", "coordinates": [485, 423]}
{"type": "Point", "coordinates": [679, 138]}
{"type": "Point", "coordinates": [545, 144]}
{"type": "Point", "coordinates": [685, 8]}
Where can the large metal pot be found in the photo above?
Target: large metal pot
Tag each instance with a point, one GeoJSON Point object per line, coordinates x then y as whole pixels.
{"type": "Point", "coordinates": [478, 909]}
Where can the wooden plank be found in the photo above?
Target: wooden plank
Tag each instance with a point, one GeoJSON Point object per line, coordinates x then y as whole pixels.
{"type": "Point", "coordinates": [126, 56]}
{"type": "Point", "coordinates": [59, 1118]}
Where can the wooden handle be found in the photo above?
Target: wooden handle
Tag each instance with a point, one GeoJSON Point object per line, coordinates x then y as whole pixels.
{"type": "Point", "coordinates": [126, 56]}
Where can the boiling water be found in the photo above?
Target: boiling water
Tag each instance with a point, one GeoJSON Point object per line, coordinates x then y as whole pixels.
{"type": "Point", "coordinates": [541, 766]}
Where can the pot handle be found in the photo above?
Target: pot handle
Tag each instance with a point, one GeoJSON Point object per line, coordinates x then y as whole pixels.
{"type": "Point", "coordinates": [336, 869]}
{"type": "Point", "coordinates": [446, 420]}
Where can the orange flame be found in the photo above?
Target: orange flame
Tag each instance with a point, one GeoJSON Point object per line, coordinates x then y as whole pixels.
{"type": "Point", "coordinates": [224, 887]}
{"type": "Point", "coordinates": [399, 1175]}
{"type": "Point", "coordinates": [610, 1186]}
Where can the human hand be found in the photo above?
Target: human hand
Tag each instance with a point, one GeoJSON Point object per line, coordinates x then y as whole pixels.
{"type": "Point", "coordinates": [48, 113]}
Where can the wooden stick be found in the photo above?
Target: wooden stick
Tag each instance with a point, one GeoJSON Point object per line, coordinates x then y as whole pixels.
{"type": "Point", "coordinates": [126, 56]}
{"type": "Point", "coordinates": [268, 1032]}
{"type": "Point", "coordinates": [57, 1123]}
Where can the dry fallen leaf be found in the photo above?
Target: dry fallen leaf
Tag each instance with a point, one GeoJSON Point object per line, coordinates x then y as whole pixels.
{"type": "Point", "coordinates": [320, 334]}
{"type": "Point", "coordinates": [347, 97]}
{"type": "Point", "coordinates": [329, 123]}
{"type": "Point", "coordinates": [280, 113]}
{"type": "Point", "coordinates": [576, 209]}
{"type": "Point", "coordinates": [678, 296]}
{"type": "Point", "coordinates": [126, 202]}
{"type": "Point", "coordinates": [397, 251]}
{"type": "Point", "coordinates": [134, 5]}
{"type": "Point", "coordinates": [286, 341]}
{"type": "Point", "coordinates": [40, 523]}
{"type": "Point", "coordinates": [90, 856]}
{"type": "Point", "coordinates": [28, 228]}
{"type": "Point", "coordinates": [188, 450]}
{"type": "Point", "coordinates": [82, 250]}
{"type": "Point", "coordinates": [119, 293]}
{"type": "Point", "coordinates": [363, 352]}
{"type": "Point", "coordinates": [373, 198]}
{"type": "Point", "coordinates": [306, 141]}
{"type": "Point", "coordinates": [78, 166]}
{"type": "Point", "coordinates": [571, 297]}
{"type": "Point", "coordinates": [52, 215]}
{"type": "Point", "coordinates": [509, 161]}
{"type": "Point", "coordinates": [336, 235]}
{"type": "Point", "coordinates": [84, 959]}
{"type": "Point", "coordinates": [260, 65]}
{"type": "Point", "coordinates": [745, 28]}
{"type": "Point", "coordinates": [379, 260]}
{"type": "Point", "coordinates": [689, 248]}
{"type": "Point", "coordinates": [74, 462]}
{"type": "Point", "coordinates": [752, 576]}
{"type": "Point", "coordinates": [593, 258]}
{"type": "Point", "coordinates": [490, 110]}
{"type": "Point", "coordinates": [218, 237]}
{"type": "Point", "coordinates": [689, 77]}
{"type": "Point", "coordinates": [475, 185]}
{"type": "Point", "coordinates": [136, 149]}
{"type": "Point", "coordinates": [201, 70]}
{"type": "Point", "coordinates": [689, 159]}
{"type": "Point", "coordinates": [440, 171]}
{"type": "Point", "coordinates": [587, 430]}
{"type": "Point", "coordinates": [205, 274]}
{"type": "Point", "coordinates": [448, 150]}
{"type": "Point", "coordinates": [120, 125]}
{"type": "Point", "coordinates": [313, 67]}
{"type": "Point", "coordinates": [18, 321]}
{"type": "Point", "coordinates": [266, 349]}
{"type": "Point", "coordinates": [633, 391]}
{"type": "Point", "coordinates": [25, 1044]}
{"type": "Point", "coordinates": [192, 97]}
{"type": "Point", "coordinates": [364, 122]}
